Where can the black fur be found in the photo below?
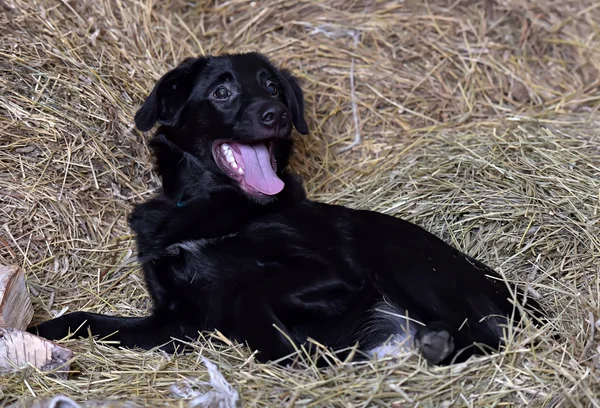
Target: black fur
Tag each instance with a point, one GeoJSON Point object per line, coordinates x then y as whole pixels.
{"type": "Point", "coordinates": [216, 256]}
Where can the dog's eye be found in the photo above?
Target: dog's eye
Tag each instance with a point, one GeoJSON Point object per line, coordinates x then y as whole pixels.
{"type": "Point", "coordinates": [272, 89]}
{"type": "Point", "coordinates": [221, 93]}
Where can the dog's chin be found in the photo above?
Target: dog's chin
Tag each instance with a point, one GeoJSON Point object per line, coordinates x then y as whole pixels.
{"type": "Point", "coordinates": [252, 166]}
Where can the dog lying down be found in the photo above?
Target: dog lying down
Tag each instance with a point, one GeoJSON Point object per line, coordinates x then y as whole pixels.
{"type": "Point", "coordinates": [233, 243]}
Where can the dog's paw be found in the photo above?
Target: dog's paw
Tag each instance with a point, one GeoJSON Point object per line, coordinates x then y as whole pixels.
{"type": "Point", "coordinates": [149, 221]}
{"type": "Point", "coordinates": [147, 218]}
{"type": "Point", "coordinates": [434, 344]}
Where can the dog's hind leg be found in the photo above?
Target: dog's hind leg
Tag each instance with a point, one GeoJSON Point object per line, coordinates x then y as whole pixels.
{"type": "Point", "coordinates": [434, 343]}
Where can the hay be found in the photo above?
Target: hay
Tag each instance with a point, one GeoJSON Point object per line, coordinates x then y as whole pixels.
{"type": "Point", "coordinates": [476, 120]}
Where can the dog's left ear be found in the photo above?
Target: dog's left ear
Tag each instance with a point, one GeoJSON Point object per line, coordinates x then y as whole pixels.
{"type": "Point", "coordinates": [166, 101]}
{"type": "Point", "coordinates": [294, 99]}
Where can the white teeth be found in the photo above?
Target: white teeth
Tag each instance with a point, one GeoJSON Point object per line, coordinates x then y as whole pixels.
{"type": "Point", "coordinates": [228, 153]}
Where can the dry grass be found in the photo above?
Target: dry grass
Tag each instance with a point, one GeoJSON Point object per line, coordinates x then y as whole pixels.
{"type": "Point", "coordinates": [476, 119]}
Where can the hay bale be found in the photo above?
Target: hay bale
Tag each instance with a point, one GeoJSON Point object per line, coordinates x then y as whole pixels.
{"type": "Point", "coordinates": [477, 120]}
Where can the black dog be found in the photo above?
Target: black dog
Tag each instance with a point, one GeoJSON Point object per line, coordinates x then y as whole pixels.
{"type": "Point", "coordinates": [232, 243]}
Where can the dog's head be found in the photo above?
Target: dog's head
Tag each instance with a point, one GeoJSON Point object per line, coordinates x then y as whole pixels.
{"type": "Point", "coordinates": [235, 112]}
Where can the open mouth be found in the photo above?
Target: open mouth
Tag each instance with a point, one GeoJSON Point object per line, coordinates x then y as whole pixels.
{"type": "Point", "coordinates": [252, 165]}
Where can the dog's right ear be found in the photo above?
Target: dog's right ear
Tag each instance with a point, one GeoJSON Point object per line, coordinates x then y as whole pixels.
{"type": "Point", "coordinates": [166, 101]}
{"type": "Point", "coordinates": [294, 99]}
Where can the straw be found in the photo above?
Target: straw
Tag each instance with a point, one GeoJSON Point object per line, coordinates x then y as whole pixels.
{"type": "Point", "coordinates": [476, 120]}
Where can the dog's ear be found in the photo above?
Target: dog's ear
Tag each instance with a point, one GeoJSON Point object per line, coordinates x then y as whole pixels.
{"type": "Point", "coordinates": [166, 101]}
{"type": "Point", "coordinates": [294, 99]}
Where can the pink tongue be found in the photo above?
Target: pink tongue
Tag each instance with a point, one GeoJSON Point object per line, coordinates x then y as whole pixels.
{"type": "Point", "coordinates": [258, 172]}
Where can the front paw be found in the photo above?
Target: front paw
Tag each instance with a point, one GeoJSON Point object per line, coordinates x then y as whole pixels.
{"type": "Point", "coordinates": [149, 221]}
{"type": "Point", "coordinates": [147, 218]}
{"type": "Point", "coordinates": [61, 327]}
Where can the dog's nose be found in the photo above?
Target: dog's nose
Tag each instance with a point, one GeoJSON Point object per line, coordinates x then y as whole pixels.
{"type": "Point", "coordinates": [274, 116]}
